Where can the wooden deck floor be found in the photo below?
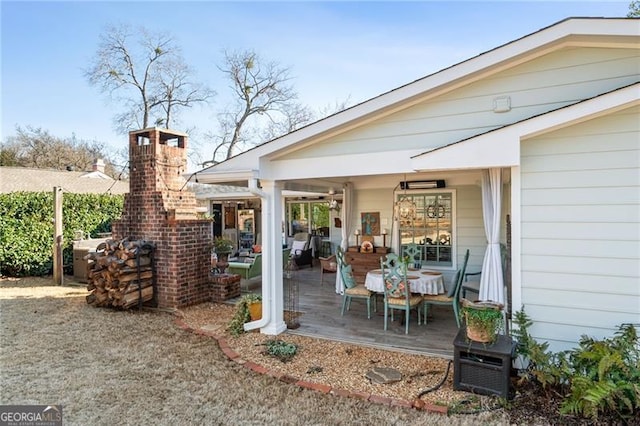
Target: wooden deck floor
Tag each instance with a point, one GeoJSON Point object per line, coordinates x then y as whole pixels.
{"type": "Point", "coordinates": [321, 318]}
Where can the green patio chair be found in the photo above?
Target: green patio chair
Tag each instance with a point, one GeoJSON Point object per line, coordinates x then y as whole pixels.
{"type": "Point", "coordinates": [414, 253]}
{"type": "Point", "coordinates": [397, 292]}
{"type": "Point", "coordinates": [452, 297]}
{"type": "Point", "coordinates": [473, 286]}
{"type": "Point", "coordinates": [351, 289]}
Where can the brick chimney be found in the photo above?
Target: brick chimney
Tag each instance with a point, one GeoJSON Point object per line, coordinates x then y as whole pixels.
{"type": "Point", "coordinates": [98, 165]}
{"type": "Point", "coordinates": [159, 208]}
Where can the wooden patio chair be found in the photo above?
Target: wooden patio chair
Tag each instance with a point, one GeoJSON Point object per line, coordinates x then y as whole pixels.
{"type": "Point", "coordinates": [327, 264]}
{"type": "Point", "coordinates": [397, 292]}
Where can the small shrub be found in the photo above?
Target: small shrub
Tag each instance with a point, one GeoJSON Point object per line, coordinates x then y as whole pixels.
{"type": "Point", "coordinates": [26, 228]}
{"type": "Point", "coordinates": [280, 349]}
{"type": "Point", "coordinates": [241, 315]}
{"type": "Point", "coordinates": [606, 376]}
{"type": "Point", "coordinates": [598, 378]}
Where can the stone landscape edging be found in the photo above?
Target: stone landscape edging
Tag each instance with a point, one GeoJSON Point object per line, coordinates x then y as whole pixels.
{"type": "Point", "coordinates": [417, 404]}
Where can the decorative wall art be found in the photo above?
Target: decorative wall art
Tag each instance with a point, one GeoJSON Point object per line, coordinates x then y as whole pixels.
{"type": "Point", "coordinates": [370, 223]}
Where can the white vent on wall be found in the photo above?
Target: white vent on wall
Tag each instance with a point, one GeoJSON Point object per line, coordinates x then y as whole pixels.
{"type": "Point", "coordinates": [502, 104]}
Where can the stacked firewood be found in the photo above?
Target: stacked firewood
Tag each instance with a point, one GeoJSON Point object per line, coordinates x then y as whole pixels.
{"type": "Point", "coordinates": [121, 274]}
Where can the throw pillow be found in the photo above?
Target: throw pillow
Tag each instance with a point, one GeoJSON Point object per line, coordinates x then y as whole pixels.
{"type": "Point", "coordinates": [297, 247]}
{"type": "Point", "coordinates": [347, 277]}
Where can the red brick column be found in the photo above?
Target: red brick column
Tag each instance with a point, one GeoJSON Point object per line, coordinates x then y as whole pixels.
{"type": "Point", "coordinates": [224, 286]}
{"type": "Point", "coordinates": [160, 208]}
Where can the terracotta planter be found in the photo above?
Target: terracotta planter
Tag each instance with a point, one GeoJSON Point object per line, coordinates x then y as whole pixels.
{"type": "Point", "coordinates": [222, 263]}
{"type": "Point", "coordinates": [255, 311]}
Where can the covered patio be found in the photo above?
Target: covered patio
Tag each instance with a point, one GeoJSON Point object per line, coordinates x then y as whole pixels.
{"type": "Point", "coordinates": [464, 224]}
{"type": "Point", "coordinates": [321, 318]}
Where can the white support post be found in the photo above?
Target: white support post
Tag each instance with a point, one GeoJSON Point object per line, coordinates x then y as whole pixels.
{"type": "Point", "coordinates": [272, 321]}
{"type": "Point", "coordinates": [516, 239]}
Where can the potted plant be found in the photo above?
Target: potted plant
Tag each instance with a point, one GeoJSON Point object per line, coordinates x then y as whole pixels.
{"type": "Point", "coordinates": [244, 307]}
{"type": "Point", "coordinates": [222, 248]}
{"type": "Point", "coordinates": [483, 320]}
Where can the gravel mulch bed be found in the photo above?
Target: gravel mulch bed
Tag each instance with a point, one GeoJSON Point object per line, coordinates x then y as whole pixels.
{"type": "Point", "coordinates": [339, 365]}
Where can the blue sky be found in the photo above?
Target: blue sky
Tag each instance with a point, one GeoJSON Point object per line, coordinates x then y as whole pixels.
{"type": "Point", "coordinates": [336, 50]}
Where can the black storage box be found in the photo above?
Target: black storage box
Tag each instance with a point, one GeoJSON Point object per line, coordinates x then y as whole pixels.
{"type": "Point", "coordinates": [482, 367]}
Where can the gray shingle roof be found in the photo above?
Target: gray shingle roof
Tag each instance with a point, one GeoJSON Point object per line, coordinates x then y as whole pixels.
{"type": "Point", "coordinates": [13, 179]}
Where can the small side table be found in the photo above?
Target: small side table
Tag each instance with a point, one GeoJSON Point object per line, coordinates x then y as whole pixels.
{"type": "Point", "coordinates": [483, 368]}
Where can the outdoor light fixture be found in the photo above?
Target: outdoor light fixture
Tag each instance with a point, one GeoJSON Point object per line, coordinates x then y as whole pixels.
{"type": "Point", "coordinates": [405, 208]}
{"type": "Point", "coordinates": [333, 204]}
{"type": "Point", "coordinates": [422, 184]}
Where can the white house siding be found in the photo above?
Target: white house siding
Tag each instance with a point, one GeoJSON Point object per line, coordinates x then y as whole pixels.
{"type": "Point", "coordinates": [549, 82]}
{"type": "Point", "coordinates": [581, 228]}
{"type": "Point", "coordinates": [470, 227]}
{"type": "Point", "coordinates": [373, 200]}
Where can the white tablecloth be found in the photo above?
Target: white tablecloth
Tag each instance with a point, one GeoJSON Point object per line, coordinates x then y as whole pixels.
{"type": "Point", "coordinates": [423, 282]}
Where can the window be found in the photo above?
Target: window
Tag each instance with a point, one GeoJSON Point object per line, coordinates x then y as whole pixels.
{"type": "Point", "coordinates": [432, 228]}
{"type": "Point", "coordinates": [308, 216]}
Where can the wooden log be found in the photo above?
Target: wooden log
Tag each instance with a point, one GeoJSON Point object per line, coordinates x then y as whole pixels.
{"type": "Point", "coordinates": [97, 282]}
{"type": "Point", "coordinates": [92, 255]}
{"type": "Point", "coordinates": [101, 297]}
{"type": "Point", "coordinates": [105, 261]}
{"type": "Point", "coordinates": [134, 276]}
{"type": "Point", "coordinates": [134, 286]}
{"type": "Point", "coordinates": [95, 272]}
{"type": "Point", "coordinates": [131, 299]}
{"type": "Point", "coordinates": [120, 272]}
{"type": "Point", "coordinates": [127, 270]}
{"type": "Point", "coordinates": [114, 294]}
{"type": "Point", "coordinates": [144, 261]}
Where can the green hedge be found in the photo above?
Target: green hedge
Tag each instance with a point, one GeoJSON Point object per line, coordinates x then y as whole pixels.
{"type": "Point", "coordinates": [26, 228]}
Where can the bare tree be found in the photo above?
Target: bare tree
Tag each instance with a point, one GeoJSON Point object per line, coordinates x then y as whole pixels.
{"type": "Point", "coordinates": [294, 117]}
{"type": "Point", "coordinates": [634, 9]}
{"type": "Point", "coordinates": [179, 91]}
{"type": "Point", "coordinates": [146, 73]}
{"type": "Point", "coordinates": [37, 148]}
{"type": "Point", "coordinates": [297, 116]}
{"type": "Point", "coordinates": [262, 92]}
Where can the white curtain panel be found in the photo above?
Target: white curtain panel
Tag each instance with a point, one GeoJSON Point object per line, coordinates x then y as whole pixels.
{"type": "Point", "coordinates": [347, 209]}
{"type": "Point", "coordinates": [491, 279]}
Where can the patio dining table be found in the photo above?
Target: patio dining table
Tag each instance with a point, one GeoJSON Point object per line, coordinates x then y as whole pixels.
{"type": "Point", "coordinates": [420, 281]}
